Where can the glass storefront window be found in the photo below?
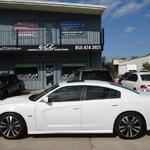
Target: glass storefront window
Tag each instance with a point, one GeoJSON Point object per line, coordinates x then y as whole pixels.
{"type": "Point", "coordinates": [26, 71]}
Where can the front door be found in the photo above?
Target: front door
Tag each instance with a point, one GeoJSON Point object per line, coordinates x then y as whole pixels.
{"type": "Point", "coordinates": [62, 112]}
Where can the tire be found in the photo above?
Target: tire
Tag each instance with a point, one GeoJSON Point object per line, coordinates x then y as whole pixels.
{"type": "Point", "coordinates": [130, 125]}
{"type": "Point", "coordinates": [12, 126]}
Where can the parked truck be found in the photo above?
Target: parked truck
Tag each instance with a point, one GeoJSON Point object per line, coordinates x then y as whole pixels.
{"type": "Point", "coordinates": [123, 68]}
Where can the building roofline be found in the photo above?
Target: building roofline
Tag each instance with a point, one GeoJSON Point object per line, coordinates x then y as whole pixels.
{"type": "Point", "coordinates": [138, 58]}
{"type": "Point", "coordinates": [53, 6]}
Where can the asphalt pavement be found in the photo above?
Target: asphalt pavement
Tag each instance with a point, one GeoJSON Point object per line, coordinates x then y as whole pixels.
{"type": "Point", "coordinates": [57, 142]}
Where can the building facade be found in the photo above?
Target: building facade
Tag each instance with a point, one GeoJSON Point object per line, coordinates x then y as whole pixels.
{"type": "Point", "coordinates": [44, 43]}
{"type": "Point", "coordinates": [138, 62]}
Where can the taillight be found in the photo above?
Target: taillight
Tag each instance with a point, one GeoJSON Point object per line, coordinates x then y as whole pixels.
{"type": "Point", "coordinates": [143, 87]}
{"type": "Point", "coordinates": [113, 81]}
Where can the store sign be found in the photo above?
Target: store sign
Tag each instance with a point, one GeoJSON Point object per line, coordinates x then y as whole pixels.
{"type": "Point", "coordinates": [72, 27]}
{"type": "Point", "coordinates": [10, 48]}
{"type": "Point", "coordinates": [88, 47]}
{"type": "Point", "coordinates": [51, 47]}
{"type": "Point", "coordinates": [26, 29]}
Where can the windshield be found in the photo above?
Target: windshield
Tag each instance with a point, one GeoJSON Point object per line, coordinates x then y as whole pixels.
{"type": "Point", "coordinates": [35, 97]}
{"type": "Point", "coordinates": [145, 77]}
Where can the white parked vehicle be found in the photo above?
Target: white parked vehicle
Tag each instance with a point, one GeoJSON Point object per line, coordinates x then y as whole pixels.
{"type": "Point", "coordinates": [77, 107]}
{"type": "Point", "coordinates": [139, 81]}
{"type": "Point", "coordinates": [123, 68]}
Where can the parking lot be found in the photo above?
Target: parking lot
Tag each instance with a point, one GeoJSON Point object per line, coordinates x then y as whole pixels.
{"type": "Point", "coordinates": [57, 142]}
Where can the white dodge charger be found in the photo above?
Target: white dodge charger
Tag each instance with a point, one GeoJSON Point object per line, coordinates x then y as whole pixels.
{"type": "Point", "coordinates": [77, 107]}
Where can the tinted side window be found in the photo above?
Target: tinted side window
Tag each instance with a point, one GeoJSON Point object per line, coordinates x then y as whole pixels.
{"type": "Point", "coordinates": [94, 92]}
{"type": "Point", "coordinates": [70, 93]}
{"type": "Point", "coordinates": [145, 77]}
{"type": "Point", "coordinates": [132, 77]}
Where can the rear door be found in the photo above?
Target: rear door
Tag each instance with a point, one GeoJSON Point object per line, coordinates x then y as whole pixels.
{"type": "Point", "coordinates": [100, 108]}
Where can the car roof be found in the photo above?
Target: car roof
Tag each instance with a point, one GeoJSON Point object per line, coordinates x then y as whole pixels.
{"type": "Point", "coordinates": [141, 73]}
{"type": "Point", "coordinates": [84, 82]}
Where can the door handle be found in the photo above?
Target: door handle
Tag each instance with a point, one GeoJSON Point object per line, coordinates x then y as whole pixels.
{"type": "Point", "coordinates": [75, 108]}
{"type": "Point", "coordinates": [115, 105]}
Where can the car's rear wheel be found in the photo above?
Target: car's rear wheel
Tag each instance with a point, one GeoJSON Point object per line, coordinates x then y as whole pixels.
{"type": "Point", "coordinates": [12, 126]}
{"type": "Point", "coordinates": [130, 126]}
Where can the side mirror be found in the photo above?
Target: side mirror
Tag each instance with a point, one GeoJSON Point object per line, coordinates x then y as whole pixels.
{"type": "Point", "coordinates": [45, 99]}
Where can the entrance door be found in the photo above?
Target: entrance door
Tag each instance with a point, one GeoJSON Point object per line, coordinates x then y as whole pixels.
{"type": "Point", "coordinates": [49, 75]}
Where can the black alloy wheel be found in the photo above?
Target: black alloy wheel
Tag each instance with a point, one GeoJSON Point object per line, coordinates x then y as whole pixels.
{"type": "Point", "coordinates": [130, 126]}
{"type": "Point", "coordinates": [12, 126]}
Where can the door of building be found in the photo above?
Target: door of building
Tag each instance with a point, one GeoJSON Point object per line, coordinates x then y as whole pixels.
{"type": "Point", "coordinates": [49, 75]}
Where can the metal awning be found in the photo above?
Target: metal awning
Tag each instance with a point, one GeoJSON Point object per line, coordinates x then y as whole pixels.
{"type": "Point", "coordinates": [52, 6]}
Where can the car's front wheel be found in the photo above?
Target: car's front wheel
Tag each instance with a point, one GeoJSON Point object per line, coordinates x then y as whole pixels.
{"type": "Point", "coordinates": [130, 126]}
{"type": "Point", "coordinates": [12, 126]}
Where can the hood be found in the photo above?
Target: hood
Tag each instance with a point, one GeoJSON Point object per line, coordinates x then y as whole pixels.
{"type": "Point", "coordinates": [16, 100]}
